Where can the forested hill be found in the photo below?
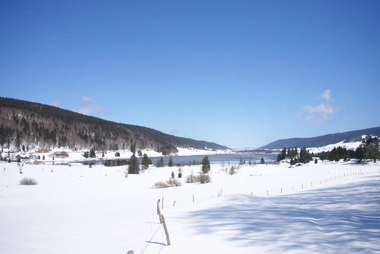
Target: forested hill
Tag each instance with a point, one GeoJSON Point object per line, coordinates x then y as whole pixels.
{"type": "Point", "coordinates": [32, 124]}
{"type": "Point", "coordinates": [320, 141]}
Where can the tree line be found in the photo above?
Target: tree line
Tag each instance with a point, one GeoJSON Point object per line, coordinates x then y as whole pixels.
{"type": "Point", "coordinates": [369, 149]}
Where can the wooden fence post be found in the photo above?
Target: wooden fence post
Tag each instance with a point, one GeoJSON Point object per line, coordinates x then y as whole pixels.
{"type": "Point", "coordinates": [162, 221]}
{"type": "Point", "coordinates": [158, 207]}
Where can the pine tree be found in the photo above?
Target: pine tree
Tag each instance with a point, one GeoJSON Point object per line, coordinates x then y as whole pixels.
{"type": "Point", "coordinates": [92, 153]}
{"type": "Point", "coordinates": [145, 161]}
{"type": "Point", "coordinates": [371, 150]}
{"type": "Point", "coordinates": [205, 165]}
{"type": "Point", "coordinates": [160, 163]}
{"type": "Point", "coordinates": [279, 157]}
{"type": "Point", "coordinates": [133, 148]}
{"type": "Point", "coordinates": [262, 161]}
{"type": "Point", "coordinates": [170, 164]}
{"type": "Point", "coordinates": [133, 165]}
{"type": "Point", "coordinates": [283, 154]}
{"type": "Point", "coordinates": [179, 173]}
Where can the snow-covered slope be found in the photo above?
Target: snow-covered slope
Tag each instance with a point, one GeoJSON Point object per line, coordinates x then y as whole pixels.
{"type": "Point", "coordinates": [348, 146]}
{"type": "Point", "coordinates": [317, 208]}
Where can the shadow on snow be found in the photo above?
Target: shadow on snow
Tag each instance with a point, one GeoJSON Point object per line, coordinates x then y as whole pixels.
{"type": "Point", "coordinates": [343, 219]}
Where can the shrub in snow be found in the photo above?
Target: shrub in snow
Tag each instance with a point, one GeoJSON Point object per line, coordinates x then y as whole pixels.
{"type": "Point", "coordinates": [160, 185]}
{"type": "Point", "coordinates": [28, 181]}
{"type": "Point", "coordinates": [169, 183]}
{"type": "Point", "coordinates": [173, 175]}
{"type": "Point", "coordinates": [204, 178]}
{"type": "Point", "coordinates": [232, 171]}
{"type": "Point", "coordinates": [192, 179]}
{"type": "Point", "coordinates": [173, 183]}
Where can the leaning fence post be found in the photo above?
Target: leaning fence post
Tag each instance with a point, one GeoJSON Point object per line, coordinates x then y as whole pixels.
{"type": "Point", "coordinates": [162, 221]}
{"type": "Point", "coordinates": [158, 207]}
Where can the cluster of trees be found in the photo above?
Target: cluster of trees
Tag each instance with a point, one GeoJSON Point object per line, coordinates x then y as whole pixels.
{"type": "Point", "coordinates": [369, 149]}
{"type": "Point", "coordinates": [302, 157]}
{"type": "Point", "coordinates": [114, 163]}
{"type": "Point", "coordinates": [134, 165]}
{"type": "Point", "coordinates": [90, 154]}
{"type": "Point", "coordinates": [289, 153]}
{"type": "Point", "coordinates": [243, 162]}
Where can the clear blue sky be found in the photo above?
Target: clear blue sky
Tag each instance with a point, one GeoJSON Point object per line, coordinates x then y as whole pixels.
{"type": "Point", "coordinates": [238, 73]}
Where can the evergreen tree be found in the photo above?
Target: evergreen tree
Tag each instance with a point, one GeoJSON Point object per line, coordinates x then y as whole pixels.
{"type": "Point", "coordinates": [305, 156]}
{"type": "Point", "coordinates": [139, 153]}
{"type": "Point", "coordinates": [371, 150]}
{"type": "Point", "coordinates": [18, 142]}
{"type": "Point", "coordinates": [92, 153]}
{"type": "Point", "coordinates": [279, 157]}
{"type": "Point", "coordinates": [133, 165]}
{"type": "Point", "coordinates": [173, 176]}
{"type": "Point", "coordinates": [160, 163]}
{"type": "Point", "coordinates": [133, 148]}
{"type": "Point", "coordinates": [205, 165]}
{"type": "Point", "coordinates": [171, 164]}
{"type": "Point", "coordinates": [145, 161]}
{"type": "Point", "coordinates": [262, 161]}
{"type": "Point", "coordinates": [179, 173]}
{"type": "Point", "coordinates": [283, 154]}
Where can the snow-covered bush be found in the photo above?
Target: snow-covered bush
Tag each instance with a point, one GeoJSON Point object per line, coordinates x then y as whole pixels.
{"type": "Point", "coordinates": [28, 181]}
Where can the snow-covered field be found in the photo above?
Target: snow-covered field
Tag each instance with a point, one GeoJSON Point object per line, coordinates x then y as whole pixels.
{"type": "Point", "coordinates": [316, 208]}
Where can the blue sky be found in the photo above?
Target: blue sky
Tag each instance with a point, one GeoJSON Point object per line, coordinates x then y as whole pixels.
{"type": "Point", "coordinates": [238, 73]}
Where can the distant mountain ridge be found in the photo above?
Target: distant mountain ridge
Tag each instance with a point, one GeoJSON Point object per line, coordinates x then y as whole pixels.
{"type": "Point", "coordinates": [324, 140]}
{"type": "Point", "coordinates": [26, 124]}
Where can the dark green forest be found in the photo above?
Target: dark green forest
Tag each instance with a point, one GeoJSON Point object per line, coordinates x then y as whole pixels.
{"type": "Point", "coordinates": [25, 125]}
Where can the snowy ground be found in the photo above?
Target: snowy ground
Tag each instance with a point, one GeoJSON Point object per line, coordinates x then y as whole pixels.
{"type": "Point", "coordinates": [317, 208]}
